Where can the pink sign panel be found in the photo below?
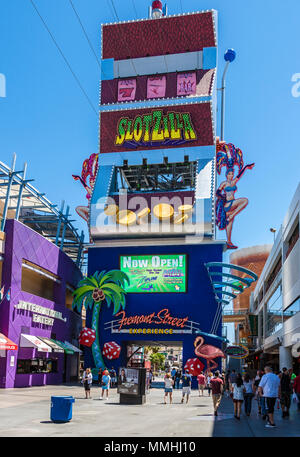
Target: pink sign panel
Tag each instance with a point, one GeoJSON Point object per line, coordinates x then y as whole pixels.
{"type": "Point", "coordinates": [156, 87]}
{"type": "Point", "coordinates": [126, 90]}
{"type": "Point", "coordinates": [186, 84]}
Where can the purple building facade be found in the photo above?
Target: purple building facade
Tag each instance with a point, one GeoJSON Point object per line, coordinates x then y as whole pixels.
{"type": "Point", "coordinates": [24, 313]}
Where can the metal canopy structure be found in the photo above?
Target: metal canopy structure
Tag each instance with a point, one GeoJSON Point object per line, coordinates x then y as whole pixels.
{"type": "Point", "coordinates": [159, 177]}
{"type": "Point", "coordinates": [21, 201]}
{"type": "Point", "coordinates": [228, 286]}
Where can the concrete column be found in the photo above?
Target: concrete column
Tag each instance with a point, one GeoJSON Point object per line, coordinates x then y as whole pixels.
{"type": "Point", "coordinates": [285, 358]}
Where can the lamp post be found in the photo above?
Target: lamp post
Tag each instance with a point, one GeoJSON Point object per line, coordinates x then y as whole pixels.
{"type": "Point", "coordinates": [273, 231]}
{"type": "Point", "coordinates": [229, 57]}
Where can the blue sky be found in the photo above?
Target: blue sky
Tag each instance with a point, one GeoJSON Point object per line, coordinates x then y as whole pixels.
{"type": "Point", "coordinates": [48, 122]}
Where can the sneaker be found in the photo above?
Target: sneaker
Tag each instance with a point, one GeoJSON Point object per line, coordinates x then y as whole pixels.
{"type": "Point", "coordinates": [268, 425]}
{"type": "Point", "coordinates": [101, 398]}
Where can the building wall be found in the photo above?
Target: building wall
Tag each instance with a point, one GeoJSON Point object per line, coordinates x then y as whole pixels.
{"type": "Point", "coordinates": [24, 243]}
{"type": "Point", "coordinates": [198, 303]}
{"type": "Point", "coordinates": [288, 278]}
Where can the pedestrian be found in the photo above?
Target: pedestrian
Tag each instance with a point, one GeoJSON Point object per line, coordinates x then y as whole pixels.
{"type": "Point", "coordinates": [168, 387]}
{"type": "Point", "coordinates": [186, 386]}
{"type": "Point", "coordinates": [208, 379]}
{"type": "Point", "coordinates": [177, 379]}
{"type": "Point", "coordinates": [87, 379]}
{"type": "Point", "coordinates": [113, 376]}
{"type": "Point", "coordinates": [100, 373]}
{"type": "Point", "coordinates": [173, 373]}
{"type": "Point", "coordinates": [237, 389]}
{"type": "Point", "coordinates": [296, 389]}
{"type": "Point", "coordinates": [286, 392]}
{"type": "Point", "coordinates": [248, 393]}
{"type": "Point", "coordinates": [227, 389]}
{"type": "Point", "coordinates": [201, 383]}
{"type": "Point", "coordinates": [260, 400]}
{"type": "Point", "coordinates": [232, 379]}
{"type": "Point", "coordinates": [269, 387]}
{"type": "Point", "coordinates": [150, 378]}
{"type": "Point", "coordinates": [216, 384]}
{"type": "Point", "coordinates": [105, 384]}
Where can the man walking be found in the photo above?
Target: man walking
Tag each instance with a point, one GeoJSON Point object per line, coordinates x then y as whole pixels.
{"type": "Point", "coordinates": [216, 385]}
{"type": "Point", "coordinates": [269, 388]}
{"type": "Point", "coordinates": [201, 382]}
{"type": "Point", "coordinates": [286, 391]}
{"type": "Point", "coordinates": [186, 386]}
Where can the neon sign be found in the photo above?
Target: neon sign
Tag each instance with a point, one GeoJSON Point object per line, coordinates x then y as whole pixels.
{"type": "Point", "coordinates": [163, 317]}
{"type": "Point", "coordinates": [155, 127]}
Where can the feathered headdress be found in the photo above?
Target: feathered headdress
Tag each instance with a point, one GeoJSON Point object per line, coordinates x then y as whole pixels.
{"type": "Point", "coordinates": [228, 156]}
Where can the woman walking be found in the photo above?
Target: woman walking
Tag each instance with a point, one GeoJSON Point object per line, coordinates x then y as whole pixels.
{"type": "Point", "coordinates": [168, 387]}
{"type": "Point", "coordinates": [105, 384]}
{"type": "Point", "coordinates": [238, 396]}
{"type": "Point", "coordinates": [87, 380]}
{"type": "Point", "coordinates": [248, 394]}
{"type": "Point", "coordinates": [208, 378]}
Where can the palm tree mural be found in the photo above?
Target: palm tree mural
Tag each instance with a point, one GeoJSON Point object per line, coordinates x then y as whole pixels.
{"type": "Point", "coordinates": [93, 290]}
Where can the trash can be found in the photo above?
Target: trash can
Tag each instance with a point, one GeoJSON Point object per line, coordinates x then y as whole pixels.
{"type": "Point", "coordinates": [61, 408]}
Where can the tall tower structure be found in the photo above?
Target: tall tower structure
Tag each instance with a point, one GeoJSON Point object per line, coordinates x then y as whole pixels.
{"type": "Point", "coordinates": [152, 207]}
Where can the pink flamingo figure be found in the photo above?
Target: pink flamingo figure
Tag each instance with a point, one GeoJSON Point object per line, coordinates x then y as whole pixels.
{"type": "Point", "coordinates": [208, 352]}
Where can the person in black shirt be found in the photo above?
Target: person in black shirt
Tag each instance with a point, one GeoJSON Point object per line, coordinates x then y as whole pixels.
{"type": "Point", "coordinates": [286, 391]}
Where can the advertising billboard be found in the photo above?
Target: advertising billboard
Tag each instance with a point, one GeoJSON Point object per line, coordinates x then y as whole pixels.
{"type": "Point", "coordinates": [186, 125]}
{"type": "Point", "coordinates": [128, 381]}
{"type": "Point", "coordinates": [155, 273]}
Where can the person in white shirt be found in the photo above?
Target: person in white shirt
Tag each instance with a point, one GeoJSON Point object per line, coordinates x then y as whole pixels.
{"type": "Point", "coordinates": [168, 387]}
{"type": "Point", "coordinates": [87, 379]}
{"type": "Point", "coordinates": [269, 387]}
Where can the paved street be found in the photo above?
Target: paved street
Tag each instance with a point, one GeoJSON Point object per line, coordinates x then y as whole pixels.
{"type": "Point", "coordinates": [26, 412]}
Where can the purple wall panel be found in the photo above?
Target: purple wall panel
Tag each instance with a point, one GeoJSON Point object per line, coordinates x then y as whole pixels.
{"type": "Point", "coordinates": [24, 243]}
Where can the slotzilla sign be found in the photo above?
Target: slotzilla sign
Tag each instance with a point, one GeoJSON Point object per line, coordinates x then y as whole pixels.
{"type": "Point", "coordinates": [143, 129]}
{"type": "Point", "coordinates": [155, 127]}
{"type": "Point", "coordinates": [48, 315]}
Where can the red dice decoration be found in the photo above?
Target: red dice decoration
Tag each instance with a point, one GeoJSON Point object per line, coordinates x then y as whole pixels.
{"type": "Point", "coordinates": [87, 336]}
{"type": "Point", "coordinates": [111, 350]}
{"type": "Point", "coordinates": [194, 366]}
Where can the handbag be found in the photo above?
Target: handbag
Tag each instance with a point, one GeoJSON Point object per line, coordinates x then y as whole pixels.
{"type": "Point", "coordinates": [295, 398]}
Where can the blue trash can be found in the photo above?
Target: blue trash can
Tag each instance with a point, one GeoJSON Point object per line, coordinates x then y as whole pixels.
{"type": "Point", "coordinates": [61, 408]}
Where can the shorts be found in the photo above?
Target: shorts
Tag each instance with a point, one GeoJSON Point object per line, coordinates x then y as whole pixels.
{"type": "Point", "coordinates": [285, 399]}
{"type": "Point", "coordinates": [186, 390]}
{"type": "Point", "coordinates": [201, 386]}
{"type": "Point", "coordinates": [105, 387]}
{"type": "Point", "coordinates": [168, 390]}
{"type": "Point", "coordinates": [271, 401]}
{"type": "Point", "coordinates": [87, 387]}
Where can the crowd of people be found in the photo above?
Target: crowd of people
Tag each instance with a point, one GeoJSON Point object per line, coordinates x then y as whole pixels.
{"type": "Point", "coordinates": [266, 388]}
{"type": "Point", "coordinates": [269, 389]}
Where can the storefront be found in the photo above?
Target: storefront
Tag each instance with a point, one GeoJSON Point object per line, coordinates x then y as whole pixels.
{"type": "Point", "coordinates": [34, 313]}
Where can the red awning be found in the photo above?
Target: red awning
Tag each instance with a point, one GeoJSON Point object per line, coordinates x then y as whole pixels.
{"type": "Point", "coordinates": [7, 344]}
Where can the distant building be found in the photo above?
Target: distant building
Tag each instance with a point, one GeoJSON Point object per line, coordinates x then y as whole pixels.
{"type": "Point", "coordinates": [254, 259]}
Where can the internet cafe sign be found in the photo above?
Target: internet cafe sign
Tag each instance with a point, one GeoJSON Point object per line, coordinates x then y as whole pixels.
{"type": "Point", "coordinates": [41, 314]}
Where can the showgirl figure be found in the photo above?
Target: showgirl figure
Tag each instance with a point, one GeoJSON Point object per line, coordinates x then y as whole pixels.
{"type": "Point", "coordinates": [89, 170]}
{"type": "Point", "coordinates": [227, 206]}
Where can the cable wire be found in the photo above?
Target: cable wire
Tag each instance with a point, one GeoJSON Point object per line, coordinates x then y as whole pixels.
{"type": "Point", "coordinates": [84, 31]}
{"type": "Point", "coordinates": [64, 58]}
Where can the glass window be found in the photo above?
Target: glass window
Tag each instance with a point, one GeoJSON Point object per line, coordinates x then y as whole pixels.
{"type": "Point", "coordinates": [274, 273]}
{"type": "Point", "coordinates": [274, 317]}
{"type": "Point", "coordinates": [30, 366]}
{"type": "Point", "coordinates": [293, 309]}
{"type": "Point", "coordinates": [293, 240]}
